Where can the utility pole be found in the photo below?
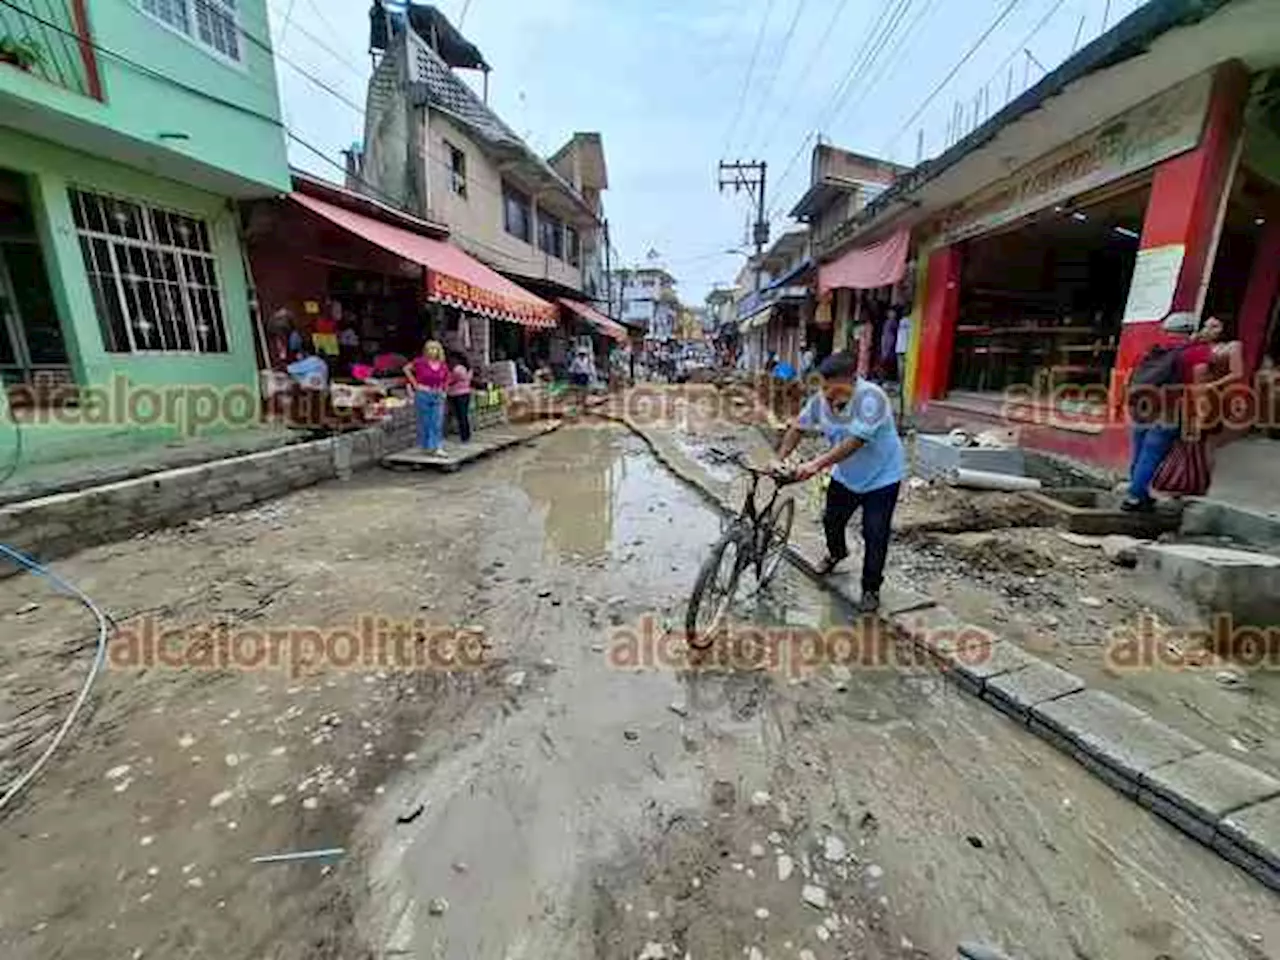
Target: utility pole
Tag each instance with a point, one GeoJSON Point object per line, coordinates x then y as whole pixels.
{"type": "Point", "coordinates": [608, 275]}
{"type": "Point", "coordinates": [750, 177]}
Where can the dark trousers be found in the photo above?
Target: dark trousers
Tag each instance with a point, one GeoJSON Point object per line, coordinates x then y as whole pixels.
{"type": "Point", "coordinates": [877, 517]}
{"type": "Point", "coordinates": [461, 407]}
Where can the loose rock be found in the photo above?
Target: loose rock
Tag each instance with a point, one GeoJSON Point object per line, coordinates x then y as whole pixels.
{"type": "Point", "coordinates": [814, 896]}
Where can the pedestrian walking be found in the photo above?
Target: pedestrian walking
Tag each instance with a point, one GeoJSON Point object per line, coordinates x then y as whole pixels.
{"type": "Point", "coordinates": [428, 376]}
{"type": "Point", "coordinates": [867, 464]}
{"type": "Point", "coordinates": [458, 390]}
{"type": "Point", "coordinates": [1162, 400]}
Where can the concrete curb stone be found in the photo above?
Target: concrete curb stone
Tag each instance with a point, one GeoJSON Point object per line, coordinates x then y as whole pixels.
{"type": "Point", "coordinates": [1116, 733]}
{"type": "Point", "coordinates": [1018, 691]}
{"type": "Point", "coordinates": [1257, 830]}
{"type": "Point", "coordinates": [1210, 786]}
{"type": "Point", "coordinates": [1230, 807]}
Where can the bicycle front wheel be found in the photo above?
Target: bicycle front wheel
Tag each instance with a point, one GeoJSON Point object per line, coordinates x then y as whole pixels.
{"type": "Point", "coordinates": [776, 535]}
{"type": "Point", "coordinates": [714, 590]}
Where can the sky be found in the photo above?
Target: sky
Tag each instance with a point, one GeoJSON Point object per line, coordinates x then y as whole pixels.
{"type": "Point", "coordinates": [675, 86]}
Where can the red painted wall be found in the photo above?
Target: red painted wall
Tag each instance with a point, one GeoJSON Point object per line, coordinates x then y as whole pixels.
{"type": "Point", "coordinates": [1186, 195]}
{"type": "Point", "coordinates": [938, 329]}
{"type": "Point", "coordinates": [1260, 295]}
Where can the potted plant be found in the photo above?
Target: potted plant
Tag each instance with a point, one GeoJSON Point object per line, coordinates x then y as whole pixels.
{"type": "Point", "coordinates": [22, 52]}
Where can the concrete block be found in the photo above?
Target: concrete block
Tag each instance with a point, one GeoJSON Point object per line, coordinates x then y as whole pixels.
{"type": "Point", "coordinates": [1257, 829]}
{"type": "Point", "coordinates": [981, 663]}
{"type": "Point", "coordinates": [1019, 690]}
{"type": "Point", "coordinates": [936, 456]}
{"type": "Point", "coordinates": [1211, 785]}
{"type": "Point", "coordinates": [1182, 818]}
{"type": "Point", "coordinates": [1116, 733]}
{"type": "Point", "coordinates": [1239, 583]}
{"type": "Point", "coordinates": [1214, 518]}
{"type": "Point", "coordinates": [1259, 868]}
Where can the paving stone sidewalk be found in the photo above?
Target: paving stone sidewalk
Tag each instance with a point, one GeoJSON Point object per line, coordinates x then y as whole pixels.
{"type": "Point", "coordinates": [1225, 804]}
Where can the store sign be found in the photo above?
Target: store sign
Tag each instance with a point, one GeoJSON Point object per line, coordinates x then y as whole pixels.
{"type": "Point", "coordinates": [446, 289]}
{"type": "Point", "coordinates": [1155, 278]}
{"type": "Point", "coordinates": [1168, 124]}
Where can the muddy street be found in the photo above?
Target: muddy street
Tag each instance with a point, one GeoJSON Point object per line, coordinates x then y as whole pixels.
{"type": "Point", "coordinates": [569, 793]}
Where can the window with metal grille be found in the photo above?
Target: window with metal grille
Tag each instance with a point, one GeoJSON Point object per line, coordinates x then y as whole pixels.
{"type": "Point", "coordinates": [153, 276]}
{"type": "Point", "coordinates": [211, 23]}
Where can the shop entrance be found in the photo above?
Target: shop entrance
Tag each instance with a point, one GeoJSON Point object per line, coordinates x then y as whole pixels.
{"type": "Point", "coordinates": [32, 350]}
{"type": "Point", "coordinates": [1041, 304]}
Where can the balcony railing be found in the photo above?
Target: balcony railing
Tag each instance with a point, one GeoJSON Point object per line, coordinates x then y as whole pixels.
{"type": "Point", "coordinates": [58, 33]}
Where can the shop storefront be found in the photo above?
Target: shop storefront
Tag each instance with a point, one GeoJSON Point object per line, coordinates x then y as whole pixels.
{"type": "Point", "coordinates": [368, 286]}
{"type": "Point", "coordinates": [867, 291]}
{"type": "Point", "coordinates": [1046, 288]}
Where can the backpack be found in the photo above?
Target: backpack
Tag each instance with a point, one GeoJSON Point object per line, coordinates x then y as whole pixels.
{"type": "Point", "coordinates": [1160, 367]}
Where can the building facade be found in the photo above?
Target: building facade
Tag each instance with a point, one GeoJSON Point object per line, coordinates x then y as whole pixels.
{"type": "Point", "coordinates": [113, 277]}
{"type": "Point", "coordinates": [647, 299]}
{"type": "Point", "coordinates": [433, 147]}
{"type": "Point", "coordinates": [1053, 241]}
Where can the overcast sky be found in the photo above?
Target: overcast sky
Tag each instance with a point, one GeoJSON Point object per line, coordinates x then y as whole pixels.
{"type": "Point", "coordinates": [676, 85]}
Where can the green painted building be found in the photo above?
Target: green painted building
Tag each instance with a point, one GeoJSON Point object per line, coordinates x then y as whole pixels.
{"type": "Point", "coordinates": [129, 132]}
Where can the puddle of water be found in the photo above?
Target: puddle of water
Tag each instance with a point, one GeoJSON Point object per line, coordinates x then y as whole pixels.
{"type": "Point", "coordinates": [603, 494]}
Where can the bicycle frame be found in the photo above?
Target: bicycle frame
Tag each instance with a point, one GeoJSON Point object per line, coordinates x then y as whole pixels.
{"type": "Point", "coordinates": [750, 516]}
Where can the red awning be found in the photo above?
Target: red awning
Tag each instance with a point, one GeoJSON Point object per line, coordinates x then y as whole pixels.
{"type": "Point", "coordinates": [863, 268]}
{"type": "Point", "coordinates": [597, 319]}
{"type": "Point", "coordinates": [453, 277]}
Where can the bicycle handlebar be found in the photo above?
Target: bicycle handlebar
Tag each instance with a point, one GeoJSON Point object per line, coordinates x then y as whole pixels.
{"type": "Point", "coordinates": [780, 477]}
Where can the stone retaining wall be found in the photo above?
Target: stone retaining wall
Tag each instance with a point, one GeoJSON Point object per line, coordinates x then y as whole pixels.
{"type": "Point", "coordinates": [60, 524]}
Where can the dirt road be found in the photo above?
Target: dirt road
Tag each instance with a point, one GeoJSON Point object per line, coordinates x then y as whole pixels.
{"type": "Point", "coordinates": [555, 800]}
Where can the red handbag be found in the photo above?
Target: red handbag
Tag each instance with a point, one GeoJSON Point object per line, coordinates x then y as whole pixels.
{"type": "Point", "coordinates": [1185, 470]}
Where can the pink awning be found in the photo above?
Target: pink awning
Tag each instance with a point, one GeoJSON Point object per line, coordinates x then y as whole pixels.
{"type": "Point", "coordinates": [863, 268]}
{"type": "Point", "coordinates": [453, 277]}
{"type": "Point", "coordinates": [596, 319]}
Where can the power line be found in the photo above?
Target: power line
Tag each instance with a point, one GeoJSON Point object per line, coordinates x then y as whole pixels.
{"type": "Point", "coordinates": [889, 14]}
{"type": "Point", "coordinates": [1000, 18]}
{"type": "Point", "coordinates": [240, 108]}
{"type": "Point", "coordinates": [806, 69]}
{"type": "Point", "coordinates": [781, 58]}
{"type": "Point", "coordinates": [921, 13]}
{"type": "Point", "coordinates": [1022, 45]}
{"type": "Point", "coordinates": [746, 83]}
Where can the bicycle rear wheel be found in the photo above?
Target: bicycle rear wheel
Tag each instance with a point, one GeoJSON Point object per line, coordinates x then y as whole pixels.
{"type": "Point", "coordinates": [774, 542]}
{"type": "Point", "coordinates": [713, 591]}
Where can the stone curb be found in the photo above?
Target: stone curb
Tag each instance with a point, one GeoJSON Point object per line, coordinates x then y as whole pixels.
{"type": "Point", "coordinates": [1228, 806]}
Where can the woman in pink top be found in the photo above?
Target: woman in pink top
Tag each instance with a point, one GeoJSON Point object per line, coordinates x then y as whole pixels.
{"type": "Point", "coordinates": [459, 391]}
{"type": "Point", "coordinates": [428, 376]}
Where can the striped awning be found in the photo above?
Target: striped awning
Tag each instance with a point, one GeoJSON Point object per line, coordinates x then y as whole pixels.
{"type": "Point", "coordinates": [453, 276]}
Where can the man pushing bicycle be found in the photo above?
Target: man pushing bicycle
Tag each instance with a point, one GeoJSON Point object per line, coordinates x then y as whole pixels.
{"type": "Point", "coordinates": [867, 465]}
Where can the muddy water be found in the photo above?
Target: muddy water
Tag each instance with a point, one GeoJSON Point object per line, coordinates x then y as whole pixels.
{"type": "Point", "coordinates": [627, 805]}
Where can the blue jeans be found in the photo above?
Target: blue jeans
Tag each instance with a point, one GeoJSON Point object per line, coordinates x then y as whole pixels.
{"type": "Point", "coordinates": [1151, 444]}
{"type": "Point", "coordinates": [430, 410]}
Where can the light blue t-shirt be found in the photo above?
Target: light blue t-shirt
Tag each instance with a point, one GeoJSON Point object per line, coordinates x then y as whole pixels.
{"type": "Point", "coordinates": [868, 416]}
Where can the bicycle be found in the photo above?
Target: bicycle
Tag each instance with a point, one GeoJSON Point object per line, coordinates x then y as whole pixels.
{"type": "Point", "coordinates": [754, 538]}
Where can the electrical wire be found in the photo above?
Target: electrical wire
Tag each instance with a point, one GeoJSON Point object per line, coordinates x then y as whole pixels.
{"type": "Point", "coordinates": [867, 88]}
{"type": "Point", "coordinates": [991, 28]}
{"type": "Point", "coordinates": [746, 83]}
{"type": "Point", "coordinates": [805, 70]}
{"type": "Point", "coordinates": [885, 23]}
{"type": "Point", "coordinates": [772, 82]}
{"type": "Point", "coordinates": [105, 627]}
{"type": "Point", "coordinates": [1022, 45]}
